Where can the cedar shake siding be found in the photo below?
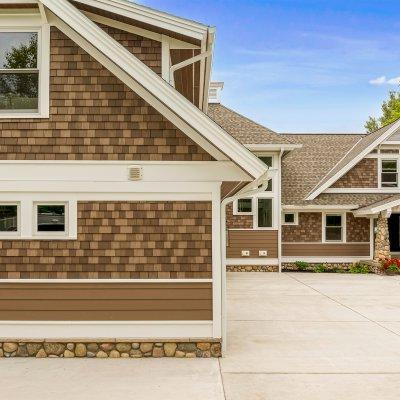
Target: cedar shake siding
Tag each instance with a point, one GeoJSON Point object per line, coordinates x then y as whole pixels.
{"type": "Point", "coordinates": [357, 229]}
{"type": "Point", "coordinates": [237, 221]}
{"type": "Point", "coordinates": [94, 116]}
{"type": "Point", "coordinates": [309, 229]}
{"type": "Point", "coordinates": [120, 240]}
{"type": "Point", "coordinates": [105, 301]}
{"type": "Point", "coordinates": [254, 241]}
{"type": "Point", "coordinates": [362, 175]}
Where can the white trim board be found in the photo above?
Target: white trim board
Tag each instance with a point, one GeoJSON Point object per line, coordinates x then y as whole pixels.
{"type": "Point", "coordinates": [319, 188]}
{"type": "Point", "coordinates": [151, 87]}
{"type": "Point", "coordinates": [252, 261]}
{"type": "Point", "coordinates": [106, 329]}
{"type": "Point", "coordinates": [111, 281]}
{"type": "Point", "coordinates": [325, 259]}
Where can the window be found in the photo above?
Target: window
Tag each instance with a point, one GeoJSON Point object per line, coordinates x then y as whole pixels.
{"type": "Point", "coordinates": [19, 72]}
{"type": "Point", "coordinates": [333, 228]}
{"type": "Point", "coordinates": [264, 217]}
{"type": "Point", "coordinates": [8, 218]}
{"type": "Point", "coordinates": [290, 218]}
{"type": "Point", "coordinates": [389, 176]}
{"type": "Point", "coordinates": [244, 206]}
{"type": "Point", "coordinates": [268, 160]}
{"type": "Point", "coordinates": [50, 218]}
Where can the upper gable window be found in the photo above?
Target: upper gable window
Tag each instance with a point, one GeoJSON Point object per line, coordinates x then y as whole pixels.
{"type": "Point", "coordinates": [389, 176]}
{"type": "Point", "coordinates": [24, 73]}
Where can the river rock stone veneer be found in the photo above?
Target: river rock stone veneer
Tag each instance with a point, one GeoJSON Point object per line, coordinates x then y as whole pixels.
{"type": "Point", "coordinates": [252, 268]}
{"type": "Point", "coordinates": [109, 349]}
{"type": "Point", "coordinates": [382, 244]}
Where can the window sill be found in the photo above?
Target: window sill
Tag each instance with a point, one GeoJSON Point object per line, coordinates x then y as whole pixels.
{"type": "Point", "coordinates": [37, 238]}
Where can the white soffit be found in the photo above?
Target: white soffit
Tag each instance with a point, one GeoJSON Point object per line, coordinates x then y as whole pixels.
{"type": "Point", "coordinates": [152, 88]}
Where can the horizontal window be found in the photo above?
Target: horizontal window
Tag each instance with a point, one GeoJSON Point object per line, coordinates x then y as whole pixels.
{"type": "Point", "coordinates": [289, 218]}
{"type": "Point", "coordinates": [50, 218]}
{"type": "Point", "coordinates": [245, 206]}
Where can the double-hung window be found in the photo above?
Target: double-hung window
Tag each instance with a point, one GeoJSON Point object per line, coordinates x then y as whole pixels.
{"type": "Point", "coordinates": [334, 228]}
{"type": "Point", "coordinates": [24, 72]}
{"type": "Point", "coordinates": [390, 175]}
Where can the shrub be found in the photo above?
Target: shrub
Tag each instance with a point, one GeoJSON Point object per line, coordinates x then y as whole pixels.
{"type": "Point", "coordinates": [391, 266]}
{"type": "Point", "coordinates": [359, 269]}
{"type": "Point", "coordinates": [319, 268]}
{"type": "Point", "coordinates": [301, 265]}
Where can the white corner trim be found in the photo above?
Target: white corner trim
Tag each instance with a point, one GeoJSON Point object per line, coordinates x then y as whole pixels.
{"type": "Point", "coordinates": [319, 189]}
{"type": "Point", "coordinates": [151, 87]}
{"type": "Point", "coordinates": [106, 329]}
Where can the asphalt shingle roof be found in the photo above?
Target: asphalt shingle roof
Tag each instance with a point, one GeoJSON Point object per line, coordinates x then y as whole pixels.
{"type": "Point", "coordinates": [242, 128]}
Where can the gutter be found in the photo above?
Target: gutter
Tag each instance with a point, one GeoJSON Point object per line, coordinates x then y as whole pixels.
{"type": "Point", "coordinates": [253, 188]}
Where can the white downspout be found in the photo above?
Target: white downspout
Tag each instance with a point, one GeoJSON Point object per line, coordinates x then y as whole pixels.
{"type": "Point", "coordinates": [243, 193]}
{"type": "Point", "coordinates": [280, 211]}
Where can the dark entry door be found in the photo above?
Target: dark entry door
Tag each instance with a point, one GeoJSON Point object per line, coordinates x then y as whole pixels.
{"type": "Point", "coordinates": [394, 234]}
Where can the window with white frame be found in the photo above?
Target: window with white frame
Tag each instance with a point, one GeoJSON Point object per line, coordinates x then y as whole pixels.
{"type": "Point", "coordinates": [244, 206]}
{"type": "Point", "coordinates": [268, 160]}
{"type": "Point", "coordinates": [24, 72]}
{"type": "Point", "coordinates": [289, 218]}
{"type": "Point", "coordinates": [334, 228]}
{"type": "Point", "coordinates": [389, 174]}
{"type": "Point", "coordinates": [50, 218]}
{"type": "Point", "coordinates": [9, 219]}
{"type": "Point", "coordinates": [264, 212]}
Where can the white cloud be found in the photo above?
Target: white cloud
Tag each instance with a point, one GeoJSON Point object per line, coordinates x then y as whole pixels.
{"type": "Point", "coordinates": [382, 80]}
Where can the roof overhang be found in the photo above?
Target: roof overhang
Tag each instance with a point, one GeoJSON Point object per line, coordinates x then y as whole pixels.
{"type": "Point", "coordinates": [326, 183]}
{"type": "Point", "coordinates": [318, 207]}
{"type": "Point", "coordinates": [151, 87]}
{"type": "Point", "coordinates": [273, 147]}
{"type": "Point", "coordinates": [378, 207]}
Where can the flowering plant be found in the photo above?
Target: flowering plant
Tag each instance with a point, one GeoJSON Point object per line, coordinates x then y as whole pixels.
{"type": "Point", "coordinates": [391, 265]}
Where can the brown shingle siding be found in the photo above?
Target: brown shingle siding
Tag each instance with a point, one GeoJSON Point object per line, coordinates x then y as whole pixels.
{"type": "Point", "coordinates": [362, 175]}
{"type": "Point", "coordinates": [357, 229]}
{"type": "Point", "coordinates": [237, 221]}
{"type": "Point", "coordinates": [120, 240]}
{"type": "Point", "coordinates": [309, 229]}
{"type": "Point", "coordinates": [94, 116]}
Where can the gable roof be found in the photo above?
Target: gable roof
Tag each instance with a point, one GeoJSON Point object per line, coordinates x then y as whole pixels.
{"type": "Point", "coordinates": [304, 167]}
{"type": "Point", "coordinates": [152, 88]}
{"type": "Point", "coordinates": [382, 205]}
{"type": "Point", "coordinates": [242, 128]}
{"type": "Point", "coordinates": [353, 156]}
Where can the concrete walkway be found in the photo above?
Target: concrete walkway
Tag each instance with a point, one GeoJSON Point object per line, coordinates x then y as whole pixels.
{"type": "Point", "coordinates": [291, 336]}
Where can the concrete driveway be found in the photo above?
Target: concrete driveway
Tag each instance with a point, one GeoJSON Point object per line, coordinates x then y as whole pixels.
{"type": "Point", "coordinates": [291, 336]}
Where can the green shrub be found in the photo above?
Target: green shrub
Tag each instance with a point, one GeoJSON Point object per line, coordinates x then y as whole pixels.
{"type": "Point", "coordinates": [301, 265]}
{"type": "Point", "coordinates": [393, 268]}
{"type": "Point", "coordinates": [319, 268]}
{"type": "Point", "coordinates": [359, 269]}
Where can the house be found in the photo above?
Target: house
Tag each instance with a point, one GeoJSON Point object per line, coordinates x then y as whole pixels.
{"type": "Point", "coordinates": [112, 178]}
{"type": "Point", "coordinates": [332, 198]}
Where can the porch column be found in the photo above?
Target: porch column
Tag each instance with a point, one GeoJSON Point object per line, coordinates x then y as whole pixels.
{"type": "Point", "coordinates": [382, 244]}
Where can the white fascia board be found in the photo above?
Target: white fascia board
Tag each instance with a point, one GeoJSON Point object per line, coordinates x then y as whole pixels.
{"type": "Point", "coordinates": [151, 87]}
{"type": "Point", "coordinates": [150, 16]}
{"type": "Point", "coordinates": [276, 147]}
{"type": "Point", "coordinates": [317, 207]}
{"type": "Point", "coordinates": [316, 192]}
{"type": "Point", "coordinates": [377, 209]}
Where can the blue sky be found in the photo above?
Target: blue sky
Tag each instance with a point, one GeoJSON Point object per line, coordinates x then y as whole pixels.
{"type": "Point", "coordinates": [302, 65]}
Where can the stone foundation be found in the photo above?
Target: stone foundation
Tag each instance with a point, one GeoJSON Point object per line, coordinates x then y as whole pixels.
{"type": "Point", "coordinates": [108, 349]}
{"type": "Point", "coordinates": [329, 267]}
{"type": "Point", "coordinates": [252, 268]}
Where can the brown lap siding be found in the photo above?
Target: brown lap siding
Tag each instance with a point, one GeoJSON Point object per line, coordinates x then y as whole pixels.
{"type": "Point", "coordinates": [120, 240]}
{"type": "Point", "coordinates": [94, 116]}
{"type": "Point", "coordinates": [105, 301]}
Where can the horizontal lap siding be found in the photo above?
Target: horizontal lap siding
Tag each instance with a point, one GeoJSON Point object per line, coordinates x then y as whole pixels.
{"type": "Point", "coordinates": [325, 250]}
{"type": "Point", "coordinates": [105, 302]}
{"type": "Point", "coordinates": [253, 241]}
{"type": "Point", "coordinates": [120, 240]}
